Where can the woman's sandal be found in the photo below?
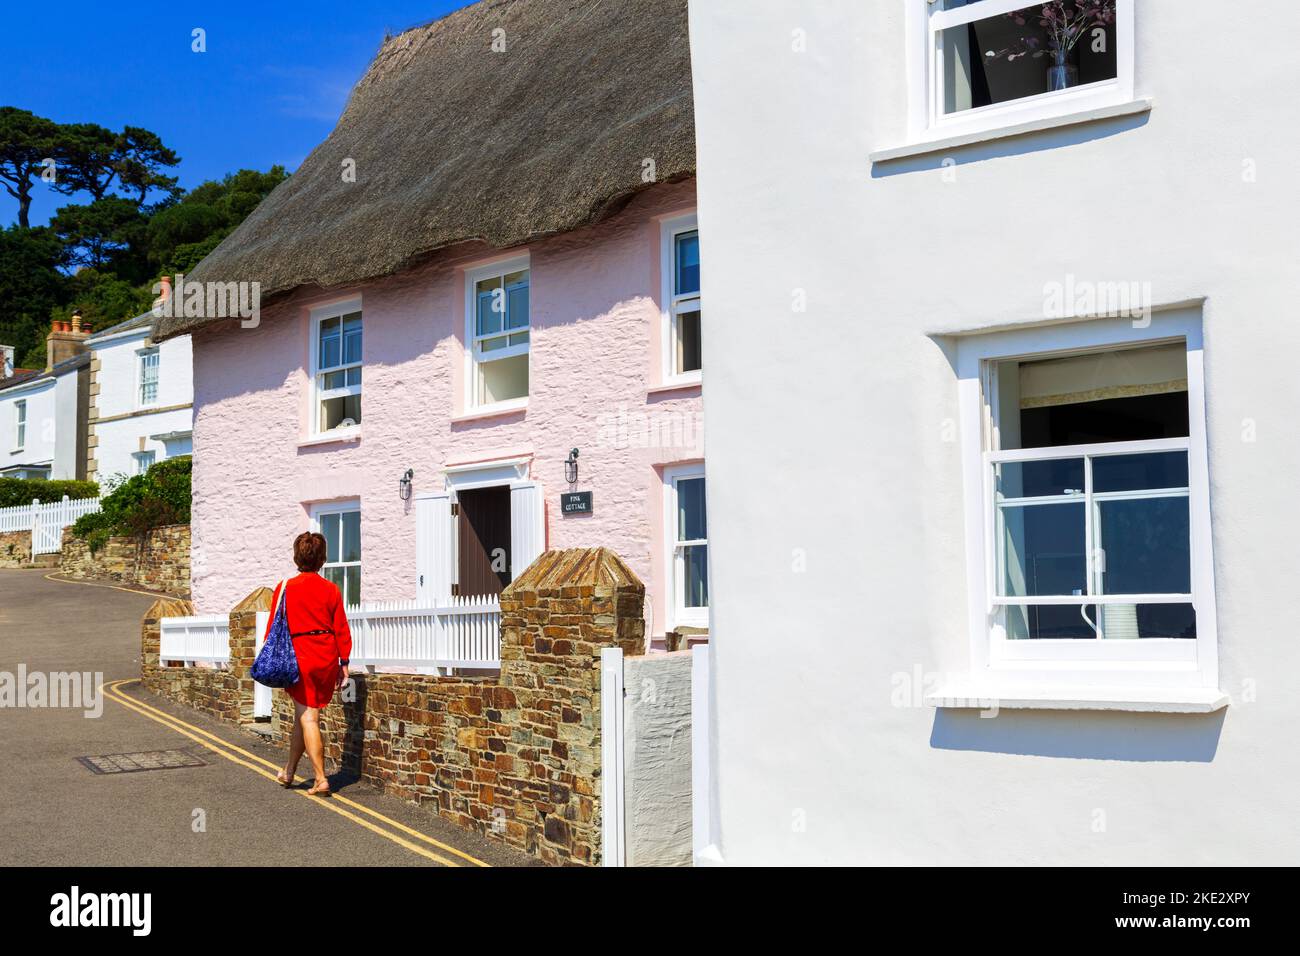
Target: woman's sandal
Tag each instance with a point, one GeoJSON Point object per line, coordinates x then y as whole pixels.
{"type": "Point", "coordinates": [319, 790]}
{"type": "Point", "coordinates": [280, 778]}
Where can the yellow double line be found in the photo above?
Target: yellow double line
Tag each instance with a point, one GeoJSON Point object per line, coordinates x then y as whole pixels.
{"type": "Point", "coordinates": [259, 765]}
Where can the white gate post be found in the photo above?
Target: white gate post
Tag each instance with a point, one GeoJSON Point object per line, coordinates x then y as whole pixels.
{"type": "Point", "coordinates": [613, 844]}
{"type": "Point", "coordinates": [262, 705]}
{"type": "Point", "coordinates": [35, 522]}
{"type": "Point", "coordinates": [703, 838]}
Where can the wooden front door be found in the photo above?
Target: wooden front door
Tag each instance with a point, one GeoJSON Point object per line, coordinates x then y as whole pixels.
{"type": "Point", "coordinates": [483, 541]}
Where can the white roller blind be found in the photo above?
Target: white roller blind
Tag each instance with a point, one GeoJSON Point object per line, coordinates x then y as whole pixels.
{"type": "Point", "coordinates": [1102, 375]}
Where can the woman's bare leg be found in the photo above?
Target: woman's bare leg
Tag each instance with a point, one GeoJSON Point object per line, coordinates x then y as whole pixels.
{"type": "Point", "coordinates": [310, 721]}
{"type": "Point", "coordinates": [296, 743]}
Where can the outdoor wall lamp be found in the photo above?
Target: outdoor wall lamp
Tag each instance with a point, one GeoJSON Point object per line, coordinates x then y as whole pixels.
{"type": "Point", "coordinates": [571, 467]}
{"type": "Point", "coordinates": [404, 486]}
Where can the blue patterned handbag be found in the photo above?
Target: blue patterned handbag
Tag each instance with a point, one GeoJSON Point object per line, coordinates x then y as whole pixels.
{"type": "Point", "coordinates": [277, 664]}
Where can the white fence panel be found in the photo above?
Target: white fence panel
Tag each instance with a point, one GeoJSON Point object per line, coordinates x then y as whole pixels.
{"type": "Point", "coordinates": [463, 634]}
{"type": "Point", "coordinates": [46, 521]}
{"type": "Point", "coordinates": [262, 704]}
{"type": "Point", "coordinates": [194, 640]}
{"type": "Point", "coordinates": [409, 635]}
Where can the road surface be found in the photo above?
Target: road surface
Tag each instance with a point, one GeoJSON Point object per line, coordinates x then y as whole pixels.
{"type": "Point", "coordinates": [55, 810]}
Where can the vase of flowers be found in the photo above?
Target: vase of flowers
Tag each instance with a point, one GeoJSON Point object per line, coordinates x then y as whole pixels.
{"type": "Point", "coordinates": [1062, 24]}
{"type": "Point", "coordinates": [1061, 74]}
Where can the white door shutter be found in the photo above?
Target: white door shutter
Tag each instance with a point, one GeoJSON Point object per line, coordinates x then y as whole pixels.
{"type": "Point", "coordinates": [434, 549]}
{"type": "Point", "coordinates": [527, 526]}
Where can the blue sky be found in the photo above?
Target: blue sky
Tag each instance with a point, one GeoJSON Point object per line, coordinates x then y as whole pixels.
{"type": "Point", "coordinates": [270, 87]}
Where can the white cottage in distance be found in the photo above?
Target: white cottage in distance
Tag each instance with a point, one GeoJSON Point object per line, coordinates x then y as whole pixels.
{"type": "Point", "coordinates": [141, 400]}
{"type": "Point", "coordinates": [43, 412]}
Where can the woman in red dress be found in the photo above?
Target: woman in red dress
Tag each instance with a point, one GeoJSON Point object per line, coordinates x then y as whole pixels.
{"type": "Point", "coordinates": [322, 643]}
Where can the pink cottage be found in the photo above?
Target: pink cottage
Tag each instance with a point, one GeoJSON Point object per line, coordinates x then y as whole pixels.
{"type": "Point", "coordinates": [479, 334]}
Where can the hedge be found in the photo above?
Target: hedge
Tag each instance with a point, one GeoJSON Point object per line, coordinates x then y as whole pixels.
{"type": "Point", "coordinates": [161, 496]}
{"type": "Point", "coordinates": [21, 491]}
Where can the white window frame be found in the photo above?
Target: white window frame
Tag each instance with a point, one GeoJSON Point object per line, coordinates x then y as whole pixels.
{"type": "Point", "coordinates": [143, 359]}
{"type": "Point", "coordinates": [927, 121]}
{"type": "Point", "coordinates": [473, 276]}
{"type": "Point", "coordinates": [20, 424]}
{"type": "Point", "coordinates": [319, 315]}
{"type": "Point", "coordinates": [144, 460]}
{"type": "Point", "coordinates": [672, 305]}
{"type": "Point", "coordinates": [348, 506]}
{"type": "Point", "coordinates": [674, 560]}
{"type": "Point", "coordinates": [1004, 666]}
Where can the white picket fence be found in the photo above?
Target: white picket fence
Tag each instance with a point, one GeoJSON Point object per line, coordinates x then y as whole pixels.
{"type": "Point", "coordinates": [194, 640]}
{"type": "Point", "coordinates": [392, 635]}
{"type": "Point", "coordinates": [46, 521]}
{"type": "Point", "coordinates": [464, 634]}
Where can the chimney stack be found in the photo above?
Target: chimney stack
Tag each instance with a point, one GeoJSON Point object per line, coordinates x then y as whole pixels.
{"type": "Point", "coordinates": [6, 361]}
{"type": "Point", "coordinates": [65, 341]}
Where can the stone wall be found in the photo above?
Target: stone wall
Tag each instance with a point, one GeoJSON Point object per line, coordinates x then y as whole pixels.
{"type": "Point", "coordinates": [225, 693]}
{"type": "Point", "coordinates": [515, 756]}
{"type": "Point", "coordinates": [161, 562]}
{"type": "Point", "coordinates": [16, 552]}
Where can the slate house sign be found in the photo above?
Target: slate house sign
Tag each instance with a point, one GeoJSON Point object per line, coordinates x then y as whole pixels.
{"type": "Point", "coordinates": [575, 503]}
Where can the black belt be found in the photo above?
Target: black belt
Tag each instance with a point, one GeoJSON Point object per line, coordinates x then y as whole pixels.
{"type": "Point", "coordinates": [310, 633]}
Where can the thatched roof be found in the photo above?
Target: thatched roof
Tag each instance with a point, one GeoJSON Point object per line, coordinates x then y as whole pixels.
{"type": "Point", "coordinates": [455, 142]}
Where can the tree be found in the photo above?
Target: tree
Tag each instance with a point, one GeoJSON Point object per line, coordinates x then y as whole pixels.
{"type": "Point", "coordinates": [99, 233]}
{"type": "Point", "coordinates": [92, 159]}
{"type": "Point", "coordinates": [140, 158]}
{"type": "Point", "coordinates": [182, 233]}
{"type": "Point", "coordinates": [85, 157]}
{"type": "Point", "coordinates": [26, 142]}
{"type": "Point", "coordinates": [103, 298]}
{"type": "Point", "coordinates": [30, 288]}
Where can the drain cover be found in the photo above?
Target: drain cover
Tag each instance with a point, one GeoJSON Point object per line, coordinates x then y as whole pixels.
{"type": "Point", "coordinates": [146, 760]}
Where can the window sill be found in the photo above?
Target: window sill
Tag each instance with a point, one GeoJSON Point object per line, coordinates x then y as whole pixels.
{"type": "Point", "coordinates": [332, 438]}
{"type": "Point", "coordinates": [977, 695]}
{"type": "Point", "coordinates": [676, 384]}
{"type": "Point", "coordinates": [956, 141]}
{"type": "Point", "coordinates": [492, 411]}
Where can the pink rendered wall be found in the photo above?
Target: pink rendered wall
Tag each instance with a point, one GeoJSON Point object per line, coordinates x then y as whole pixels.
{"type": "Point", "coordinates": [594, 364]}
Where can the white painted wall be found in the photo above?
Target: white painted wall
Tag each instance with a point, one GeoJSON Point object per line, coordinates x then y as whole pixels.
{"type": "Point", "coordinates": [65, 430]}
{"type": "Point", "coordinates": [118, 378]}
{"type": "Point", "coordinates": [657, 759]}
{"type": "Point", "coordinates": [39, 446]}
{"type": "Point", "coordinates": [831, 425]}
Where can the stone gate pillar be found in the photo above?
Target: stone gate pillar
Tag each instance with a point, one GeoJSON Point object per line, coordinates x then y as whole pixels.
{"type": "Point", "coordinates": [243, 650]}
{"type": "Point", "coordinates": [555, 619]}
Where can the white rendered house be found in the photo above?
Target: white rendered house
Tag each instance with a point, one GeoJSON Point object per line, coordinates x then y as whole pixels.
{"type": "Point", "coordinates": [1028, 443]}
{"type": "Point", "coordinates": [43, 412]}
{"type": "Point", "coordinates": [142, 397]}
